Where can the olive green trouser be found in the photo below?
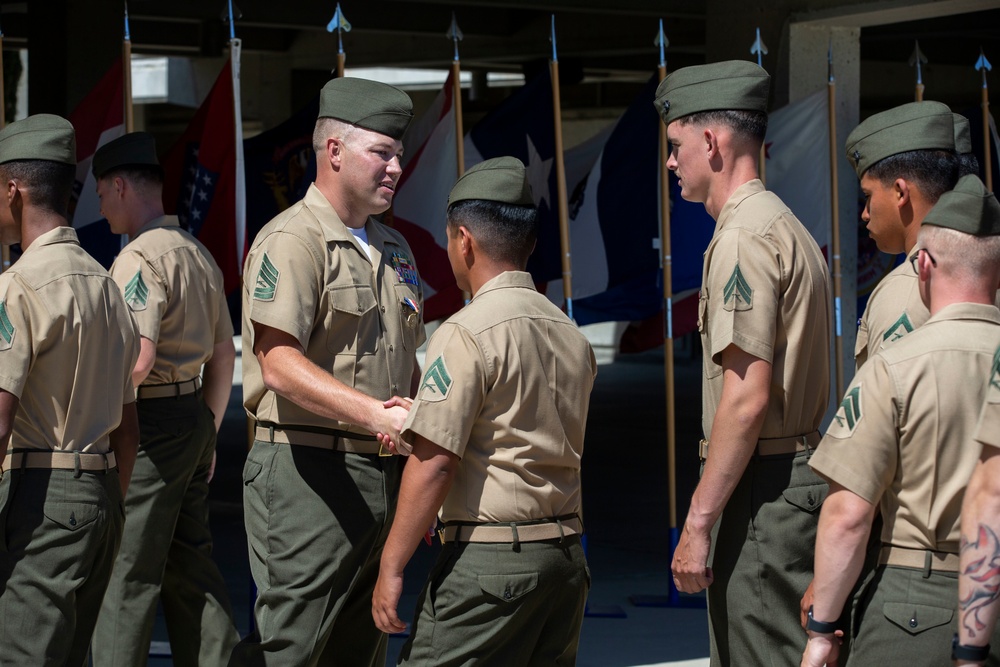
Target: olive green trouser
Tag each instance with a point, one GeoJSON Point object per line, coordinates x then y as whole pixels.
{"type": "Point", "coordinates": [494, 606]}
{"type": "Point", "coordinates": [762, 560]}
{"type": "Point", "coordinates": [316, 521]}
{"type": "Point", "coordinates": [59, 534]}
{"type": "Point", "coordinates": [907, 619]}
{"type": "Point", "coordinates": [166, 552]}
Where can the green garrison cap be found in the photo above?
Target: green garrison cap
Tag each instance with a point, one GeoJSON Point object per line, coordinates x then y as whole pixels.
{"type": "Point", "coordinates": [970, 208]}
{"type": "Point", "coordinates": [374, 106]}
{"type": "Point", "coordinates": [136, 149]}
{"type": "Point", "coordinates": [39, 137]}
{"type": "Point", "coordinates": [734, 84]}
{"type": "Point", "coordinates": [501, 179]}
{"type": "Point", "coordinates": [916, 126]}
{"type": "Point", "coordinates": [963, 136]}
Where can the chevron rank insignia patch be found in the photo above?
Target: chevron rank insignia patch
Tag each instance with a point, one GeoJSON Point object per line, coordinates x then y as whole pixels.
{"type": "Point", "coordinates": [899, 328]}
{"type": "Point", "coordinates": [136, 292]}
{"type": "Point", "coordinates": [437, 381]}
{"type": "Point", "coordinates": [267, 280]}
{"type": "Point", "coordinates": [6, 328]}
{"type": "Point", "coordinates": [737, 294]}
{"type": "Point", "coordinates": [848, 414]}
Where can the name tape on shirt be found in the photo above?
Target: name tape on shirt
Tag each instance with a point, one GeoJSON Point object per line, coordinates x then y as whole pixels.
{"type": "Point", "coordinates": [437, 381]}
{"type": "Point", "coordinates": [848, 415]}
{"type": "Point", "coordinates": [267, 280]}
{"type": "Point", "coordinates": [405, 270]}
{"type": "Point", "coordinates": [136, 292]}
{"type": "Point", "coordinates": [6, 328]}
{"type": "Point", "coordinates": [737, 294]}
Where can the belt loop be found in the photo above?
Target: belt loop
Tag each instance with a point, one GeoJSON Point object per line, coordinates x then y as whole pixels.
{"type": "Point", "coordinates": [516, 545]}
{"type": "Point", "coordinates": [106, 466]}
{"type": "Point", "coordinates": [24, 461]}
{"type": "Point", "coordinates": [928, 560]}
{"type": "Point", "coordinates": [270, 433]}
{"type": "Point", "coordinates": [76, 465]}
{"type": "Point", "coordinates": [562, 535]}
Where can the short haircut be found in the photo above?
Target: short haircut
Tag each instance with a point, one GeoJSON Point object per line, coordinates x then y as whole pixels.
{"type": "Point", "coordinates": [505, 232]}
{"type": "Point", "coordinates": [749, 125]}
{"type": "Point", "coordinates": [968, 164]}
{"type": "Point", "coordinates": [330, 127]}
{"type": "Point", "coordinates": [142, 177]}
{"type": "Point", "coordinates": [967, 257]}
{"type": "Point", "coordinates": [50, 183]}
{"type": "Point", "coordinates": [933, 172]}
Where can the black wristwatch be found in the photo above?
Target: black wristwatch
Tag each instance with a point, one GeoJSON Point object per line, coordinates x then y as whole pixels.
{"type": "Point", "coordinates": [822, 627]}
{"type": "Point", "coordinates": [965, 652]}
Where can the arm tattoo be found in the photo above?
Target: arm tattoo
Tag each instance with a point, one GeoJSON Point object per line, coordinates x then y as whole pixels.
{"type": "Point", "coordinates": [983, 576]}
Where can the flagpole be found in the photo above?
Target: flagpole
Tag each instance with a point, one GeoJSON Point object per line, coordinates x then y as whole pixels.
{"type": "Point", "coordinates": [236, 47]}
{"type": "Point", "coordinates": [5, 252]}
{"type": "Point", "coordinates": [831, 103]}
{"type": "Point", "coordinates": [760, 49]}
{"type": "Point", "coordinates": [918, 58]}
{"type": "Point", "coordinates": [127, 76]}
{"type": "Point", "coordinates": [983, 65]}
{"type": "Point", "coordinates": [339, 23]}
{"type": "Point", "coordinates": [666, 262]}
{"type": "Point", "coordinates": [564, 242]}
{"type": "Point", "coordinates": [456, 93]}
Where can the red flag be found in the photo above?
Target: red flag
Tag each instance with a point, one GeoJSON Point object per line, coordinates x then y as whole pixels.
{"type": "Point", "coordinates": [421, 201]}
{"type": "Point", "coordinates": [200, 178]}
{"type": "Point", "coordinates": [98, 119]}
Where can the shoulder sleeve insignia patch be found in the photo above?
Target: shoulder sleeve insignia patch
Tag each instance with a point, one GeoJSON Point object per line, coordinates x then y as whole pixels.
{"type": "Point", "coordinates": [136, 292]}
{"type": "Point", "coordinates": [849, 413]}
{"type": "Point", "coordinates": [737, 294]}
{"type": "Point", "coordinates": [899, 328]}
{"type": "Point", "coordinates": [437, 381]}
{"type": "Point", "coordinates": [6, 328]}
{"type": "Point", "coordinates": [267, 280]}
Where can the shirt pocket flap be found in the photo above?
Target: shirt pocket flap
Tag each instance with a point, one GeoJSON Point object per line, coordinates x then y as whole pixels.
{"type": "Point", "coordinates": [916, 618]}
{"type": "Point", "coordinates": [808, 498]}
{"type": "Point", "coordinates": [71, 516]}
{"type": "Point", "coordinates": [352, 299]}
{"type": "Point", "coordinates": [508, 587]}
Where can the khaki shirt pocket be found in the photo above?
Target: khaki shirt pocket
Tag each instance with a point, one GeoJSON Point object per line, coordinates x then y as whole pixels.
{"type": "Point", "coordinates": [711, 368]}
{"type": "Point", "coordinates": [352, 322]}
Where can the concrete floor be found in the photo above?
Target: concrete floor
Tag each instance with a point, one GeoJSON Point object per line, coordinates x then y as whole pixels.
{"type": "Point", "coordinates": [626, 511]}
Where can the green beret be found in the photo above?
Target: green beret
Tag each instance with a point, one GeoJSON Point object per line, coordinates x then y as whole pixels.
{"type": "Point", "coordinates": [963, 136]}
{"type": "Point", "coordinates": [39, 137]}
{"type": "Point", "coordinates": [916, 126]}
{"type": "Point", "coordinates": [969, 208]}
{"type": "Point", "coordinates": [500, 179]}
{"type": "Point", "coordinates": [374, 106]}
{"type": "Point", "coordinates": [734, 84]}
{"type": "Point", "coordinates": [136, 149]}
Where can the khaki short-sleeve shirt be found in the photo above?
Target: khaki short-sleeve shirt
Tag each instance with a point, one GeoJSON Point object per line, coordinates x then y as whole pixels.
{"type": "Point", "coordinates": [67, 347]}
{"type": "Point", "coordinates": [507, 388]}
{"type": "Point", "coordinates": [903, 435]}
{"type": "Point", "coordinates": [894, 309]}
{"type": "Point", "coordinates": [988, 430]}
{"type": "Point", "coordinates": [356, 318]}
{"type": "Point", "coordinates": [174, 288]}
{"type": "Point", "coordinates": [766, 289]}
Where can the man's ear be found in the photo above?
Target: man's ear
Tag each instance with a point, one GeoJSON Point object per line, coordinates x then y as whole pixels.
{"type": "Point", "coordinates": [901, 188]}
{"type": "Point", "coordinates": [711, 140]}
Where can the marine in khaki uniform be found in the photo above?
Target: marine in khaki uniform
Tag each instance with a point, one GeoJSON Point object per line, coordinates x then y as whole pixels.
{"type": "Point", "coordinates": [968, 162]}
{"type": "Point", "coordinates": [497, 431]}
{"type": "Point", "coordinates": [979, 576]}
{"type": "Point", "coordinates": [68, 428]}
{"type": "Point", "coordinates": [331, 323]}
{"type": "Point", "coordinates": [174, 290]}
{"type": "Point", "coordinates": [902, 440]}
{"type": "Point", "coordinates": [764, 318]}
{"type": "Point", "coordinates": [905, 158]}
